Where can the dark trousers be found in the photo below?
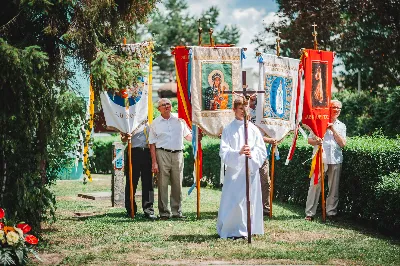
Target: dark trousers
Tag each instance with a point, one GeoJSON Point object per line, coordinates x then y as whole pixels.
{"type": "Point", "coordinates": [141, 167]}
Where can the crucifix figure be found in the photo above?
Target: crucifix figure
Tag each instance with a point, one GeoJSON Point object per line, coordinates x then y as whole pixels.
{"type": "Point", "coordinates": [245, 94]}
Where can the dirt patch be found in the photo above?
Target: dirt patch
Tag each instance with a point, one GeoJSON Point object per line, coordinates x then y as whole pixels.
{"type": "Point", "coordinates": [303, 236]}
{"type": "Point", "coordinates": [49, 259]}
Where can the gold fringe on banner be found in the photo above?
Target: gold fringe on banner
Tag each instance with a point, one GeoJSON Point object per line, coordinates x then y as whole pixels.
{"type": "Point", "coordinates": [88, 133]}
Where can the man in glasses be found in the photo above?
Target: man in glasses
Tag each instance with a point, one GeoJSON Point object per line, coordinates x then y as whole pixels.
{"type": "Point", "coordinates": [166, 148]}
{"type": "Point", "coordinates": [332, 143]}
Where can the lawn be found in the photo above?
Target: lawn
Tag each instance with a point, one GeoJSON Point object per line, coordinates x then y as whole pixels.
{"type": "Point", "coordinates": [111, 238]}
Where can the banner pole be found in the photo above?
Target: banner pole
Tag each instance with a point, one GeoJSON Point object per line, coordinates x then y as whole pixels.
{"type": "Point", "coordinates": [197, 176]}
{"type": "Point", "coordinates": [130, 178]}
{"type": "Point", "coordinates": [271, 192]}
{"type": "Point", "coordinates": [322, 184]}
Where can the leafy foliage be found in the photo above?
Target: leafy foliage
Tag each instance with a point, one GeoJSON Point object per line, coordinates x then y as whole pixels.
{"type": "Point", "coordinates": [364, 34]}
{"type": "Point", "coordinates": [177, 27]}
{"type": "Point", "coordinates": [41, 118]}
{"type": "Point", "coordinates": [363, 114]}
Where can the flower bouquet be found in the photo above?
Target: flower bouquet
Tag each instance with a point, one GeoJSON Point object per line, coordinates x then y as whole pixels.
{"type": "Point", "coordinates": [15, 243]}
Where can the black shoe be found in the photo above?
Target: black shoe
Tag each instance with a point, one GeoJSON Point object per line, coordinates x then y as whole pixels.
{"type": "Point", "coordinates": [163, 218]}
{"type": "Point", "coordinates": [178, 216]}
{"type": "Point", "coordinates": [332, 218]}
{"type": "Point", "coordinates": [151, 217]}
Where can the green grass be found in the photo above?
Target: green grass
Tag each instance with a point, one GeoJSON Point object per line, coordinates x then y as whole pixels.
{"type": "Point", "coordinates": [111, 238]}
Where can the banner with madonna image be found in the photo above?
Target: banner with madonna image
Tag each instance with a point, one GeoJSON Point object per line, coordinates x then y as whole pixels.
{"type": "Point", "coordinates": [215, 71]}
{"type": "Point", "coordinates": [276, 108]}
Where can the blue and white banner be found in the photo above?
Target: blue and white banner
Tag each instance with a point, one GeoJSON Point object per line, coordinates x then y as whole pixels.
{"type": "Point", "coordinates": [126, 110]}
{"type": "Point", "coordinates": [276, 108]}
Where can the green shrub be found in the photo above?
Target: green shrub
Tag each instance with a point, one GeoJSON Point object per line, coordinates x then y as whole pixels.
{"type": "Point", "coordinates": [363, 113]}
{"type": "Point", "coordinates": [369, 187]}
{"type": "Point", "coordinates": [388, 201]}
{"type": "Point", "coordinates": [100, 162]}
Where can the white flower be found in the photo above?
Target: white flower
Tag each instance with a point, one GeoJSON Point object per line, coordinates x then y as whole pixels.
{"type": "Point", "coordinates": [20, 232]}
{"type": "Point", "coordinates": [2, 238]}
{"type": "Point", "coordinates": [12, 238]}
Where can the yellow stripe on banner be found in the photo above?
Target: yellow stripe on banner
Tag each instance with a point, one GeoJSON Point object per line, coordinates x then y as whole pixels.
{"type": "Point", "coordinates": [150, 91]}
{"type": "Point", "coordinates": [182, 95]}
{"type": "Point", "coordinates": [313, 163]}
{"type": "Point", "coordinates": [88, 132]}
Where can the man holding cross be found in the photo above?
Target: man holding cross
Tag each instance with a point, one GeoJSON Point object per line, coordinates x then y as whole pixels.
{"type": "Point", "coordinates": [232, 214]}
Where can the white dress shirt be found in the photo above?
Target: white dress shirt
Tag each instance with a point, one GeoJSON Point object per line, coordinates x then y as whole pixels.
{"type": "Point", "coordinates": [332, 150]}
{"type": "Point", "coordinates": [168, 133]}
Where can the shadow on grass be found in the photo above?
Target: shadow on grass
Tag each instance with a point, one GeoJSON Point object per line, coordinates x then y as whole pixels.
{"type": "Point", "coordinates": [344, 221]}
{"type": "Point", "coordinates": [193, 238]}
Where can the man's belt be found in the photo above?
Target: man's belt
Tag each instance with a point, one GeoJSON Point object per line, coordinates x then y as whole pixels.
{"type": "Point", "coordinates": [140, 148]}
{"type": "Point", "coordinates": [171, 151]}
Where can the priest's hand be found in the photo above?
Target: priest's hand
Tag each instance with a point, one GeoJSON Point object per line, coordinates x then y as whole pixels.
{"type": "Point", "coordinates": [245, 150]}
{"type": "Point", "coordinates": [154, 168]}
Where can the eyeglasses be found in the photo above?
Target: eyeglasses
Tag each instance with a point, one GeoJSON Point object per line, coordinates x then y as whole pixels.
{"type": "Point", "coordinates": [165, 104]}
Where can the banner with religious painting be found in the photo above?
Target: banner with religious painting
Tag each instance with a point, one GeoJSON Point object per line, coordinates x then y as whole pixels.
{"type": "Point", "coordinates": [317, 67]}
{"type": "Point", "coordinates": [215, 70]}
{"type": "Point", "coordinates": [276, 108]}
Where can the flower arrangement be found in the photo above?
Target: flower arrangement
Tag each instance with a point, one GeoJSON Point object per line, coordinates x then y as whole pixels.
{"type": "Point", "coordinates": [15, 242]}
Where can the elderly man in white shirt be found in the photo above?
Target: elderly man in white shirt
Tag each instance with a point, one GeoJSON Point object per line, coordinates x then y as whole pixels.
{"type": "Point", "coordinates": [333, 142]}
{"type": "Point", "coordinates": [166, 148]}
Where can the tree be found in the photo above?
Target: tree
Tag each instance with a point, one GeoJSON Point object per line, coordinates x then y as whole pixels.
{"type": "Point", "coordinates": [40, 117]}
{"type": "Point", "coordinates": [176, 26]}
{"type": "Point", "coordinates": [364, 34]}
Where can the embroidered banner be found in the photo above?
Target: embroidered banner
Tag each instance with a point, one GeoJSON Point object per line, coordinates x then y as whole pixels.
{"type": "Point", "coordinates": [317, 92]}
{"type": "Point", "coordinates": [276, 109]}
{"type": "Point", "coordinates": [214, 71]}
{"type": "Point", "coordinates": [317, 96]}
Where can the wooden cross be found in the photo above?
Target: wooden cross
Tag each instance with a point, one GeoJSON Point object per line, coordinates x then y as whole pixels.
{"type": "Point", "coordinates": [315, 37]}
{"type": "Point", "coordinates": [210, 31]}
{"type": "Point", "coordinates": [278, 48]}
{"type": "Point", "coordinates": [200, 30]}
{"type": "Point", "coordinates": [246, 95]}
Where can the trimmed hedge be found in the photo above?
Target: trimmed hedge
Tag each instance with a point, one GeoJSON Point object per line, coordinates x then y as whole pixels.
{"type": "Point", "coordinates": [369, 185]}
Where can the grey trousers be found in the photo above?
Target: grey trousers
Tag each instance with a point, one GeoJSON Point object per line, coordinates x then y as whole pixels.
{"type": "Point", "coordinates": [333, 195]}
{"type": "Point", "coordinates": [170, 167]}
{"type": "Point", "coordinates": [265, 186]}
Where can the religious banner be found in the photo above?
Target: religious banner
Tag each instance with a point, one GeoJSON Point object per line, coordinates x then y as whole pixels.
{"type": "Point", "coordinates": [126, 110]}
{"type": "Point", "coordinates": [214, 71]}
{"type": "Point", "coordinates": [317, 67]}
{"type": "Point", "coordinates": [276, 108]}
{"type": "Point", "coordinates": [181, 54]}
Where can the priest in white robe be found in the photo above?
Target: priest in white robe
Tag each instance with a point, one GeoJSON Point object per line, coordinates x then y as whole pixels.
{"type": "Point", "coordinates": [232, 213]}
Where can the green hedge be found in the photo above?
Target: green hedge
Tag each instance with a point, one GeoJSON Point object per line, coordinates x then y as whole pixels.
{"type": "Point", "coordinates": [369, 185]}
{"type": "Point", "coordinates": [100, 162]}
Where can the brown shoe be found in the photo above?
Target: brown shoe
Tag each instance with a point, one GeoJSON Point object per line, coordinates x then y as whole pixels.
{"type": "Point", "coordinates": [164, 218]}
{"type": "Point", "coordinates": [309, 218]}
